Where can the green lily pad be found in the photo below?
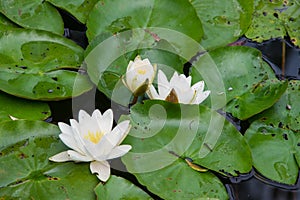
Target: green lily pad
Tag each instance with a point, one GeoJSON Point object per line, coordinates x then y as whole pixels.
{"type": "Point", "coordinates": [115, 16]}
{"type": "Point", "coordinates": [274, 140]}
{"type": "Point", "coordinates": [223, 22]}
{"type": "Point", "coordinates": [33, 14]}
{"type": "Point", "coordinates": [273, 19]}
{"type": "Point", "coordinates": [78, 8]}
{"type": "Point", "coordinates": [4, 22]}
{"type": "Point", "coordinates": [26, 172]}
{"type": "Point", "coordinates": [40, 65]}
{"type": "Point", "coordinates": [22, 108]}
{"type": "Point", "coordinates": [119, 188]}
{"type": "Point", "coordinates": [248, 81]}
{"type": "Point", "coordinates": [163, 134]}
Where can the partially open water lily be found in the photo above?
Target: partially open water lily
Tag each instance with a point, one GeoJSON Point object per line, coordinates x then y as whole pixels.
{"type": "Point", "coordinates": [93, 140]}
{"type": "Point", "coordinates": [139, 75]}
{"type": "Point", "coordinates": [178, 89]}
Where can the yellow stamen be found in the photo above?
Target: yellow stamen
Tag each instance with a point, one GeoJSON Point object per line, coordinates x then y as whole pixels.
{"type": "Point", "coordinates": [141, 71]}
{"type": "Point", "coordinates": [94, 137]}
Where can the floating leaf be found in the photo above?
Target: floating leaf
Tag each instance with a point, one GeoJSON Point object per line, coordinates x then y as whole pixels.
{"type": "Point", "coordinates": [33, 14]}
{"type": "Point", "coordinates": [78, 8]}
{"type": "Point", "coordinates": [119, 188]}
{"type": "Point", "coordinates": [260, 97]}
{"type": "Point", "coordinates": [163, 134]}
{"type": "Point", "coordinates": [274, 140]}
{"type": "Point", "coordinates": [247, 80]}
{"type": "Point", "coordinates": [273, 19]}
{"type": "Point", "coordinates": [36, 63]}
{"type": "Point", "coordinates": [115, 16]}
{"type": "Point", "coordinates": [4, 22]}
{"type": "Point", "coordinates": [224, 22]}
{"type": "Point", "coordinates": [26, 172]}
{"type": "Point", "coordinates": [22, 108]}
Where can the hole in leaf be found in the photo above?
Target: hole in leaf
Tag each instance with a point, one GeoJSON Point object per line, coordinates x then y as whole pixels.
{"type": "Point", "coordinates": [285, 136]}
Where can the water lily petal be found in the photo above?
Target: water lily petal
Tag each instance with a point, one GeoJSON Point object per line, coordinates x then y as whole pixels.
{"type": "Point", "coordinates": [70, 141]}
{"type": "Point", "coordinates": [164, 87]}
{"type": "Point", "coordinates": [119, 151]}
{"type": "Point", "coordinates": [61, 157]}
{"type": "Point", "coordinates": [65, 128]}
{"type": "Point", "coordinates": [105, 122]}
{"type": "Point", "coordinates": [152, 94]}
{"type": "Point", "coordinates": [201, 97]}
{"type": "Point", "coordinates": [111, 140]}
{"type": "Point", "coordinates": [79, 137]}
{"type": "Point", "coordinates": [199, 86]}
{"type": "Point", "coordinates": [101, 168]}
{"type": "Point", "coordinates": [75, 156]}
{"type": "Point", "coordinates": [130, 66]}
{"type": "Point", "coordinates": [185, 96]}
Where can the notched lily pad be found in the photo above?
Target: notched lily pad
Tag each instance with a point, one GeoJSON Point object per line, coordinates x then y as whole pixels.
{"type": "Point", "coordinates": [275, 132]}
{"type": "Point", "coordinates": [40, 65]}
{"type": "Point", "coordinates": [26, 172]}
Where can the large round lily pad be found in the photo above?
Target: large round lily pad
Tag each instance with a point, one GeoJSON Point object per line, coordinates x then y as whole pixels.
{"type": "Point", "coordinates": [164, 134]}
{"type": "Point", "coordinates": [26, 172]}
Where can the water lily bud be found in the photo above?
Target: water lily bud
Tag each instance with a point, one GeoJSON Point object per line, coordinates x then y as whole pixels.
{"type": "Point", "coordinates": [139, 75]}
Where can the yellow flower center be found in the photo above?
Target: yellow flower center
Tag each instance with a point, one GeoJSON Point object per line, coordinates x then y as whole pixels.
{"type": "Point", "coordinates": [94, 137]}
{"type": "Point", "coordinates": [141, 71]}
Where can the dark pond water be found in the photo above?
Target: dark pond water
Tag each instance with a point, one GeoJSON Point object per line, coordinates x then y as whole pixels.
{"type": "Point", "coordinates": [246, 187]}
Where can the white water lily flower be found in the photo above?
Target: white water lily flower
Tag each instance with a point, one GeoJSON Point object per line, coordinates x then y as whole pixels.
{"type": "Point", "coordinates": [93, 140]}
{"type": "Point", "coordinates": [178, 89]}
{"type": "Point", "coordinates": [139, 75]}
